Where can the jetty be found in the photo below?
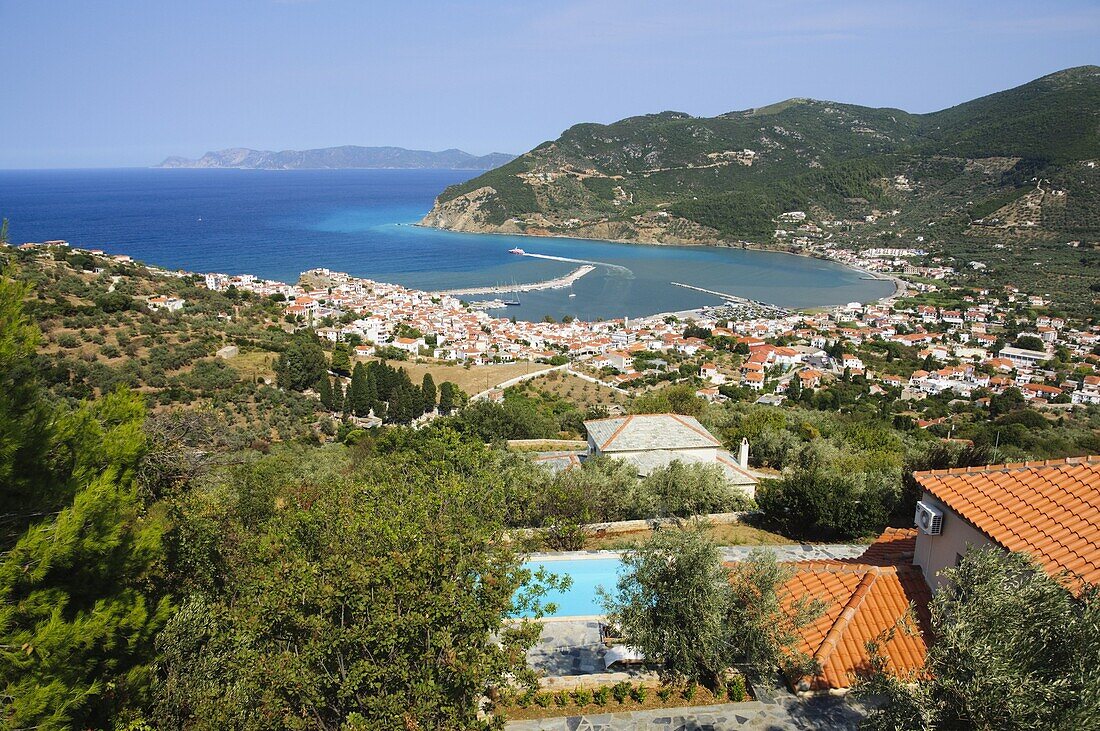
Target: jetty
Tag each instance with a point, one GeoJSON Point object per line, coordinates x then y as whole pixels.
{"type": "Point", "coordinates": [764, 306]}
{"type": "Point", "coordinates": [559, 283]}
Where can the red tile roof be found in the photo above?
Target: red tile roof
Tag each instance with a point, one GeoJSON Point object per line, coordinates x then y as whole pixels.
{"type": "Point", "coordinates": [865, 598]}
{"type": "Point", "coordinates": [1049, 509]}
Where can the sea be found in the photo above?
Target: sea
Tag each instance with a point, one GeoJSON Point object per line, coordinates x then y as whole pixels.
{"type": "Point", "coordinates": [278, 223]}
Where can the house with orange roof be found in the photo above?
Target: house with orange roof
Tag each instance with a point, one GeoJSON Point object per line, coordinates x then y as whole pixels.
{"type": "Point", "coordinates": [1048, 509]}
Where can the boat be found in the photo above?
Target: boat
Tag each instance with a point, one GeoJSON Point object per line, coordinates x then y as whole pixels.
{"type": "Point", "coordinates": [572, 294]}
{"type": "Point", "coordinates": [517, 250]}
{"type": "Point", "coordinates": [514, 301]}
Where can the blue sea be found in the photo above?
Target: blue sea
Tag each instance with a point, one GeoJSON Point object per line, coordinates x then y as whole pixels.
{"type": "Point", "coordinates": [279, 223]}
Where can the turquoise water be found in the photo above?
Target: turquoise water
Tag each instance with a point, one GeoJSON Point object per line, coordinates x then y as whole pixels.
{"type": "Point", "coordinates": [278, 223]}
{"type": "Point", "coordinates": [580, 599]}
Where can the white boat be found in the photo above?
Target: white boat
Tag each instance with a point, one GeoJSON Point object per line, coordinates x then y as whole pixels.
{"type": "Point", "coordinates": [517, 250]}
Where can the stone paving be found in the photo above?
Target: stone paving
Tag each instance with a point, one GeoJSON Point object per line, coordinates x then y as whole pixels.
{"type": "Point", "coordinates": [793, 552]}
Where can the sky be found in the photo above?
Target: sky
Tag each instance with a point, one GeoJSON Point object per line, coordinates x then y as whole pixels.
{"type": "Point", "coordinates": [116, 83]}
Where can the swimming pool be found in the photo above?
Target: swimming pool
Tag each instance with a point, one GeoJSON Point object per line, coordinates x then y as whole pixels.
{"type": "Point", "coordinates": [580, 599]}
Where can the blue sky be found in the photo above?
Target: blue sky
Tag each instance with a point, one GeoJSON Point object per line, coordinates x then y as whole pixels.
{"type": "Point", "coordinates": [117, 83]}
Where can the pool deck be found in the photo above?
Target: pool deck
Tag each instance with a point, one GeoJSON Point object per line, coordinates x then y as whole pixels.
{"type": "Point", "coordinates": [790, 552]}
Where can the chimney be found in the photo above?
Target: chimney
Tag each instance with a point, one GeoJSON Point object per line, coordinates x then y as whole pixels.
{"type": "Point", "coordinates": [743, 459]}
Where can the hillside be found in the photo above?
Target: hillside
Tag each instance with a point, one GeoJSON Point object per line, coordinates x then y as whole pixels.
{"type": "Point", "coordinates": [347, 156]}
{"type": "Point", "coordinates": [1018, 165]}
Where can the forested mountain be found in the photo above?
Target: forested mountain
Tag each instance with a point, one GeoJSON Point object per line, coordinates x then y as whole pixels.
{"type": "Point", "coordinates": [347, 156]}
{"type": "Point", "coordinates": [1021, 162]}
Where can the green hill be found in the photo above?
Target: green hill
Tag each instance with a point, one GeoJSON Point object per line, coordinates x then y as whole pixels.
{"type": "Point", "coordinates": [1018, 163]}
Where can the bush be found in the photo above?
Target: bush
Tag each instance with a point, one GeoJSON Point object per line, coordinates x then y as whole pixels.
{"type": "Point", "coordinates": [561, 698]}
{"type": "Point", "coordinates": [665, 693]}
{"type": "Point", "coordinates": [689, 690]}
{"type": "Point", "coordinates": [736, 690]}
{"type": "Point", "coordinates": [639, 692]}
{"type": "Point", "coordinates": [543, 699]}
{"type": "Point", "coordinates": [601, 696]}
{"type": "Point", "coordinates": [582, 696]}
{"type": "Point", "coordinates": [621, 691]}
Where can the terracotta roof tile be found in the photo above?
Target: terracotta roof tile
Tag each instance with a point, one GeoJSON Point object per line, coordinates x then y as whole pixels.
{"type": "Point", "coordinates": [864, 598]}
{"type": "Point", "coordinates": [1050, 509]}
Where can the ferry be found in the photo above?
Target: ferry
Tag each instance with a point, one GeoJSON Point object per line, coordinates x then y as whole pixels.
{"type": "Point", "coordinates": [517, 250]}
{"type": "Point", "coordinates": [511, 303]}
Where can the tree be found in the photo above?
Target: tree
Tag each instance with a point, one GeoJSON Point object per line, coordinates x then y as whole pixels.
{"type": "Point", "coordinates": [448, 397]}
{"type": "Point", "coordinates": [324, 389]}
{"type": "Point", "coordinates": [338, 399]}
{"type": "Point", "coordinates": [816, 502]}
{"type": "Point", "coordinates": [679, 606]}
{"type": "Point", "coordinates": [1014, 649]}
{"type": "Point", "coordinates": [1030, 342]}
{"type": "Point", "coordinates": [82, 584]}
{"type": "Point", "coordinates": [359, 399]}
{"type": "Point", "coordinates": [302, 364]}
{"type": "Point", "coordinates": [428, 392]}
{"type": "Point", "coordinates": [341, 359]}
{"type": "Point", "coordinates": [380, 600]}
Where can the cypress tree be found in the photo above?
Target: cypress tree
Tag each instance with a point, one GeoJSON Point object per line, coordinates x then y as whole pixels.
{"type": "Point", "coordinates": [427, 392]}
{"type": "Point", "coordinates": [324, 388]}
{"type": "Point", "coordinates": [448, 397]}
{"type": "Point", "coordinates": [358, 401]}
{"type": "Point", "coordinates": [337, 395]}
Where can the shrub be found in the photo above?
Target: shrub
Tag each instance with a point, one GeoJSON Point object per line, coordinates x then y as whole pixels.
{"type": "Point", "coordinates": [601, 696]}
{"type": "Point", "coordinates": [735, 688]}
{"type": "Point", "coordinates": [665, 693]}
{"type": "Point", "coordinates": [621, 691]}
{"type": "Point", "coordinates": [639, 692]}
{"type": "Point", "coordinates": [543, 699]}
{"type": "Point", "coordinates": [582, 696]}
{"type": "Point", "coordinates": [689, 690]}
{"type": "Point", "coordinates": [561, 698]}
{"type": "Point", "coordinates": [526, 698]}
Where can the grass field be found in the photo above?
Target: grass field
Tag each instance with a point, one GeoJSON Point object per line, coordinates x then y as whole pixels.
{"type": "Point", "coordinates": [577, 390]}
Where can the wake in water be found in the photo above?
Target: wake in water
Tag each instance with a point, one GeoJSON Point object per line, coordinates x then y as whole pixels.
{"type": "Point", "coordinates": [620, 270]}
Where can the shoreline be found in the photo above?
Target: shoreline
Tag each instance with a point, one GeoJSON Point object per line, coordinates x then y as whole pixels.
{"type": "Point", "coordinates": [900, 285]}
{"type": "Point", "coordinates": [559, 283]}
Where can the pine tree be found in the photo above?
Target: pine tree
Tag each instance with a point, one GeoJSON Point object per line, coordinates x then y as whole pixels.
{"type": "Point", "coordinates": [82, 593]}
{"type": "Point", "coordinates": [428, 392]}
{"type": "Point", "coordinates": [341, 359]}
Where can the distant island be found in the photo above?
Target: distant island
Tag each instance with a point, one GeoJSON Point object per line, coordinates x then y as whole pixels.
{"type": "Point", "coordinates": [345, 157]}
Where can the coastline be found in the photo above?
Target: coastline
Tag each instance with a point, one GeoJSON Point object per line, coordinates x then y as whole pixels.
{"type": "Point", "coordinates": [559, 283]}
{"type": "Point", "coordinates": [900, 285]}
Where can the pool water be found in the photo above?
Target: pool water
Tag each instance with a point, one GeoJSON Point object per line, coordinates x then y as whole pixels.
{"type": "Point", "coordinates": [580, 599]}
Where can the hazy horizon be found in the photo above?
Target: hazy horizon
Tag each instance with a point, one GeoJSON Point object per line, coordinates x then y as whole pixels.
{"type": "Point", "coordinates": [127, 84]}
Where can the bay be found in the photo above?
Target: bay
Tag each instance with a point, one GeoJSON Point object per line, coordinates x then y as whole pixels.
{"type": "Point", "coordinates": [277, 224]}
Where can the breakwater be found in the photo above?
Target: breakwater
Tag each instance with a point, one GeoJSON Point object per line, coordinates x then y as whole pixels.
{"type": "Point", "coordinates": [559, 283]}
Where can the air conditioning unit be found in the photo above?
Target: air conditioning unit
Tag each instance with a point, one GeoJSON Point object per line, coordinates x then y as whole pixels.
{"type": "Point", "coordinates": [929, 519]}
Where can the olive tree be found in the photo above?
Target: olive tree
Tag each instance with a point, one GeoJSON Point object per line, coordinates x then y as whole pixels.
{"type": "Point", "coordinates": [1014, 649]}
{"type": "Point", "coordinates": [678, 605]}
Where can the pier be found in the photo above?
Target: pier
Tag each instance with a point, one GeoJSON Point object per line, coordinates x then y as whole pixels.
{"type": "Point", "coordinates": [559, 283]}
{"type": "Point", "coordinates": [735, 299]}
